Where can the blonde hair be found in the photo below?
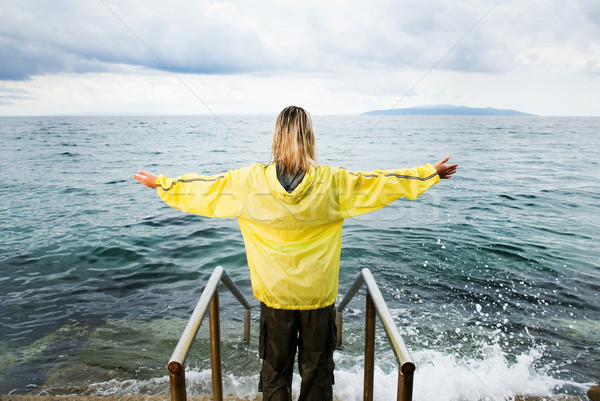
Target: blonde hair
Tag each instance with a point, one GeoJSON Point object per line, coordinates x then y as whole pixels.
{"type": "Point", "coordinates": [293, 149]}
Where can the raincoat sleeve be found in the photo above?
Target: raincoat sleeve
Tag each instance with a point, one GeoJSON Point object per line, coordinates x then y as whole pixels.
{"type": "Point", "coordinates": [210, 196]}
{"type": "Point", "coordinates": [365, 191]}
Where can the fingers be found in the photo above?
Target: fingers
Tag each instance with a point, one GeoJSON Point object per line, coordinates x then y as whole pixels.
{"type": "Point", "coordinates": [141, 180]}
{"type": "Point", "coordinates": [448, 173]}
{"type": "Point", "coordinates": [451, 168]}
{"type": "Point", "coordinates": [445, 171]}
{"type": "Point", "coordinates": [146, 179]}
{"type": "Point", "coordinates": [444, 160]}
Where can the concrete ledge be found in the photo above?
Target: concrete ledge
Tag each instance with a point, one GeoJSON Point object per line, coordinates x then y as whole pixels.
{"type": "Point", "coordinates": [227, 397]}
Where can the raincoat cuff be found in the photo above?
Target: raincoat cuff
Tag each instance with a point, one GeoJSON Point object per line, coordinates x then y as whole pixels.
{"type": "Point", "coordinates": [432, 169]}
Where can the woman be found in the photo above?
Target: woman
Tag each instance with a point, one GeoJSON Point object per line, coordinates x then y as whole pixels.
{"type": "Point", "coordinates": [291, 213]}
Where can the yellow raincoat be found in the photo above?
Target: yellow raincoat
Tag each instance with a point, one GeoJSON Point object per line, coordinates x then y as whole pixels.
{"type": "Point", "coordinates": [293, 240]}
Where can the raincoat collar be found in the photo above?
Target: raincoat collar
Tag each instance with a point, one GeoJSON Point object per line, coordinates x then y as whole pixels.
{"type": "Point", "coordinates": [279, 191]}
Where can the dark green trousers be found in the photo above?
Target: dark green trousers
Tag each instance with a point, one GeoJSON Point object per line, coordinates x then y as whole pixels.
{"type": "Point", "coordinates": [313, 333]}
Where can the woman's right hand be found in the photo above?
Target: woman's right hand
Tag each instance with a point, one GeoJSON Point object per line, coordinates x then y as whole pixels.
{"type": "Point", "coordinates": [147, 179]}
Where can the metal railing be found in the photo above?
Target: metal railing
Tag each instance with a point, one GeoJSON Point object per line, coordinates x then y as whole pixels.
{"type": "Point", "coordinates": [209, 298]}
{"type": "Point", "coordinates": [376, 303]}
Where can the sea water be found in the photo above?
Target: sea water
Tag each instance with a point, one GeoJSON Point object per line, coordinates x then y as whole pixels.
{"type": "Point", "coordinates": [492, 277]}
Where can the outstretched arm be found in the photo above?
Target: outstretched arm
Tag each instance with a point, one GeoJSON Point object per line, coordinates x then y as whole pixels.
{"type": "Point", "coordinates": [206, 195]}
{"type": "Point", "coordinates": [147, 179]}
{"type": "Point", "coordinates": [445, 170]}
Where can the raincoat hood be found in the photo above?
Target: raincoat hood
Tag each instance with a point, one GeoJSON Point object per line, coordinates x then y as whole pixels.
{"type": "Point", "coordinates": [279, 191]}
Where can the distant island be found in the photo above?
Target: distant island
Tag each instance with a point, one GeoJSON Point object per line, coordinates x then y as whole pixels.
{"type": "Point", "coordinates": [446, 110]}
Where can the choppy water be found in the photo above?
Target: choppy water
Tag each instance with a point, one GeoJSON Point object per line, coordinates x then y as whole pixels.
{"type": "Point", "coordinates": [492, 276]}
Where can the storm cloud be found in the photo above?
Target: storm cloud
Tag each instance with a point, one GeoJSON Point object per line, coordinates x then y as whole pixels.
{"type": "Point", "coordinates": [38, 37]}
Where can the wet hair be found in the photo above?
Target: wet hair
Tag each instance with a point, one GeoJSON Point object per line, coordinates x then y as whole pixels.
{"type": "Point", "coordinates": [293, 149]}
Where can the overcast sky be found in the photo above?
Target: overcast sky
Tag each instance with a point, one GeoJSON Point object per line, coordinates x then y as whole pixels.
{"type": "Point", "coordinates": [329, 56]}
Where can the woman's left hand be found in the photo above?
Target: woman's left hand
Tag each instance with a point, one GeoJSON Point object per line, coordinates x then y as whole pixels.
{"type": "Point", "coordinates": [445, 170]}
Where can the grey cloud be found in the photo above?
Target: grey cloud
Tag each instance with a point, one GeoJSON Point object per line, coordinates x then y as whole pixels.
{"type": "Point", "coordinates": [42, 37]}
{"type": "Point", "coordinates": [13, 90]}
{"type": "Point", "coordinates": [591, 8]}
{"type": "Point", "coordinates": [413, 34]}
{"type": "Point", "coordinates": [417, 35]}
{"type": "Point", "coordinates": [8, 96]}
{"type": "Point", "coordinates": [39, 37]}
{"type": "Point", "coordinates": [14, 63]}
{"type": "Point", "coordinates": [550, 23]}
{"type": "Point", "coordinates": [475, 55]}
{"type": "Point", "coordinates": [19, 60]}
{"type": "Point", "coordinates": [592, 68]}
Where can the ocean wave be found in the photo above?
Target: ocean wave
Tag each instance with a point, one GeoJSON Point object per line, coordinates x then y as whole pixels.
{"type": "Point", "coordinates": [439, 376]}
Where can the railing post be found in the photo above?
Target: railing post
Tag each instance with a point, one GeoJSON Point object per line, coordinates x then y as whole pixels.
{"type": "Point", "coordinates": [338, 324]}
{"type": "Point", "coordinates": [215, 347]}
{"type": "Point", "coordinates": [177, 380]}
{"type": "Point", "coordinates": [405, 381]}
{"type": "Point", "coordinates": [247, 326]}
{"type": "Point", "coordinates": [369, 349]}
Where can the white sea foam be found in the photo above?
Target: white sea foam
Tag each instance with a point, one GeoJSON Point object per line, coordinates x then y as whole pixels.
{"type": "Point", "coordinates": [126, 387]}
{"type": "Point", "coordinates": [446, 377]}
{"type": "Point", "coordinates": [488, 377]}
{"type": "Point", "coordinates": [439, 376]}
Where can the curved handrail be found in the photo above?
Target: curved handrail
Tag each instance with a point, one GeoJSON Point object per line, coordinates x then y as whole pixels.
{"type": "Point", "coordinates": [208, 298]}
{"type": "Point", "coordinates": [375, 300]}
